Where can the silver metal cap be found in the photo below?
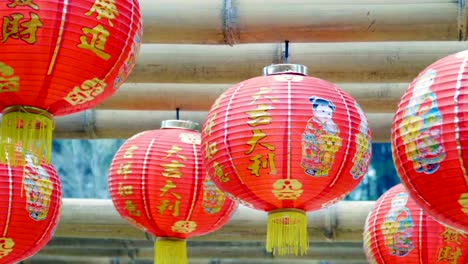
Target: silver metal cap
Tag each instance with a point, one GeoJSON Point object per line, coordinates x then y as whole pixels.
{"type": "Point", "coordinates": [183, 124]}
{"type": "Point", "coordinates": [285, 68]}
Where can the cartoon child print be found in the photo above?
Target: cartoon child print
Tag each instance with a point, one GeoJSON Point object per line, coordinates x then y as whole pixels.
{"type": "Point", "coordinates": [38, 189]}
{"type": "Point", "coordinates": [363, 147]}
{"type": "Point", "coordinates": [398, 227]}
{"type": "Point", "coordinates": [422, 126]}
{"type": "Point", "coordinates": [320, 139]}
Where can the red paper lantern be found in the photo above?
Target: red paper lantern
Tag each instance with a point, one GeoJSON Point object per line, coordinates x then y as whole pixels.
{"type": "Point", "coordinates": [158, 183]}
{"type": "Point", "coordinates": [60, 57]}
{"type": "Point", "coordinates": [430, 140]}
{"type": "Point", "coordinates": [30, 199]}
{"type": "Point", "coordinates": [398, 231]}
{"type": "Point", "coordinates": [286, 143]}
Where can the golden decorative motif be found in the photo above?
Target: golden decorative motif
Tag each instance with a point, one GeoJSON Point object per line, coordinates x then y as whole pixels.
{"type": "Point", "coordinates": [86, 92]}
{"type": "Point", "coordinates": [6, 246]}
{"type": "Point", "coordinates": [285, 189]}
{"type": "Point", "coordinates": [184, 227]}
{"type": "Point", "coordinates": [8, 82]}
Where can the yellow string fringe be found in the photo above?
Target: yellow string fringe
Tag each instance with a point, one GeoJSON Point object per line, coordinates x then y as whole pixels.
{"type": "Point", "coordinates": [28, 132]}
{"type": "Point", "coordinates": [170, 251]}
{"type": "Point", "coordinates": [287, 232]}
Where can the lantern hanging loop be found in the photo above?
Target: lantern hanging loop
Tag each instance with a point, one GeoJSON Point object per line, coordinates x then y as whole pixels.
{"type": "Point", "coordinates": [275, 69]}
{"type": "Point", "coordinates": [182, 124]}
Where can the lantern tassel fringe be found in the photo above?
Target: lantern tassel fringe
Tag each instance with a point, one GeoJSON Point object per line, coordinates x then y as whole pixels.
{"type": "Point", "coordinates": [287, 232]}
{"type": "Point", "coordinates": [29, 131]}
{"type": "Point", "coordinates": [170, 251]}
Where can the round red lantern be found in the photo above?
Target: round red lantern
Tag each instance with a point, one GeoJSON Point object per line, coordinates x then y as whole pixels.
{"type": "Point", "coordinates": [30, 198]}
{"type": "Point", "coordinates": [430, 140]}
{"type": "Point", "coordinates": [397, 231]}
{"type": "Point", "coordinates": [286, 143]}
{"type": "Point", "coordinates": [57, 58]}
{"type": "Point", "coordinates": [158, 183]}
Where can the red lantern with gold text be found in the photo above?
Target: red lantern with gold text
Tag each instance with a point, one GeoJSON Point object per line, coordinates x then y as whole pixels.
{"type": "Point", "coordinates": [286, 143]}
{"type": "Point", "coordinates": [158, 183]}
{"type": "Point", "coordinates": [398, 231]}
{"type": "Point", "coordinates": [30, 199]}
{"type": "Point", "coordinates": [60, 57]}
{"type": "Point", "coordinates": [430, 140]}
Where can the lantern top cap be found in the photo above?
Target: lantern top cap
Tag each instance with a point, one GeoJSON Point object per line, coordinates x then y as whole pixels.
{"type": "Point", "coordinates": [183, 124]}
{"type": "Point", "coordinates": [285, 68]}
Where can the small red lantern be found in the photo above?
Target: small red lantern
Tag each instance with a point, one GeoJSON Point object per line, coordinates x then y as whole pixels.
{"type": "Point", "coordinates": [397, 231]}
{"type": "Point", "coordinates": [30, 198]}
{"type": "Point", "coordinates": [286, 143]}
{"type": "Point", "coordinates": [158, 183]}
{"type": "Point", "coordinates": [57, 58]}
{"type": "Point", "coordinates": [430, 140]}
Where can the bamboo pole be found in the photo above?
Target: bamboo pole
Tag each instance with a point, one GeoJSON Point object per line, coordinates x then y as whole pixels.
{"type": "Point", "coordinates": [240, 250]}
{"type": "Point", "coordinates": [241, 21]}
{"type": "Point", "coordinates": [372, 97]}
{"type": "Point", "coordinates": [374, 62]}
{"type": "Point", "coordinates": [92, 218]}
{"type": "Point", "coordinates": [49, 259]}
{"type": "Point", "coordinates": [93, 124]}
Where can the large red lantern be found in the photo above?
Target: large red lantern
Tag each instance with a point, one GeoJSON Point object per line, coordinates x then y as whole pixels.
{"type": "Point", "coordinates": [398, 231]}
{"type": "Point", "coordinates": [158, 183]}
{"type": "Point", "coordinates": [430, 140]}
{"type": "Point", "coordinates": [30, 200]}
{"type": "Point", "coordinates": [60, 57]}
{"type": "Point", "coordinates": [286, 143]}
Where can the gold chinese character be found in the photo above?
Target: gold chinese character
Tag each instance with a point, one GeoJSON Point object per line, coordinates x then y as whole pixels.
{"type": "Point", "coordinates": [125, 190]}
{"type": "Point", "coordinates": [8, 82]}
{"type": "Point", "coordinates": [175, 150]}
{"type": "Point", "coordinates": [105, 9]}
{"type": "Point", "coordinates": [449, 255]}
{"type": "Point", "coordinates": [30, 3]}
{"type": "Point", "coordinates": [129, 152]}
{"type": "Point", "coordinates": [257, 161]}
{"type": "Point", "coordinates": [167, 205]}
{"type": "Point", "coordinates": [124, 169]}
{"type": "Point", "coordinates": [169, 185]}
{"type": "Point", "coordinates": [452, 236]}
{"type": "Point", "coordinates": [262, 91]}
{"type": "Point", "coordinates": [98, 41]}
{"type": "Point", "coordinates": [88, 90]}
{"type": "Point", "coordinates": [218, 170]}
{"type": "Point", "coordinates": [259, 116]}
{"type": "Point", "coordinates": [131, 208]}
{"type": "Point", "coordinates": [217, 102]}
{"type": "Point", "coordinates": [210, 149]}
{"type": "Point", "coordinates": [27, 31]}
{"type": "Point", "coordinates": [172, 170]}
{"type": "Point", "coordinates": [257, 136]}
{"type": "Point", "coordinates": [209, 124]}
{"type": "Point", "coordinates": [463, 201]}
{"type": "Point", "coordinates": [6, 246]}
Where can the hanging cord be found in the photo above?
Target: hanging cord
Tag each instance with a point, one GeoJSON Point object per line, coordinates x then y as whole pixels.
{"type": "Point", "coordinates": [286, 51]}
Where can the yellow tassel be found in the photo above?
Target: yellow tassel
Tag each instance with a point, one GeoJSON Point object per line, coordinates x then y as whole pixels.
{"type": "Point", "coordinates": [170, 251]}
{"type": "Point", "coordinates": [26, 129]}
{"type": "Point", "coordinates": [287, 232]}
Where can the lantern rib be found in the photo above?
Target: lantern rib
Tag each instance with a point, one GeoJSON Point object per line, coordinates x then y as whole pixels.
{"type": "Point", "coordinates": [456, 109]}
{"type": "Point", "coordinates": [59, 38]}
